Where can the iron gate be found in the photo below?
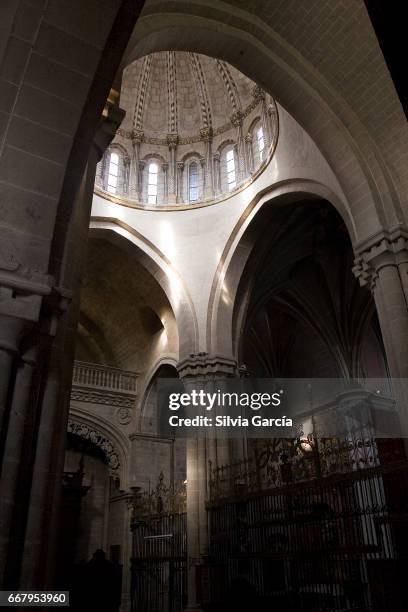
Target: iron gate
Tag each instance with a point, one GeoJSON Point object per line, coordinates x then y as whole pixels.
{"type": "Point", "coordinates": [159, 564]}
{"type": "Point", "coordinates": [312, 541]}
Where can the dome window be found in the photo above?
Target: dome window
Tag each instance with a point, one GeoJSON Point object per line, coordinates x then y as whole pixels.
{"type": "Point", "coordinates": [193, 182]}
{"type": "Point", "coordinates": [152, 184]}
{"type": "Point", "coordinates": [231, 176]}
{"type": "Point", "coordinates": [261, 142]}
{"type": "Point", "coordinates": [113, 173]}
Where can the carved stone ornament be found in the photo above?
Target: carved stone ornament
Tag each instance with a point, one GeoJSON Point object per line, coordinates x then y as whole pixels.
{"type": "Point", "coordinates": [172, 140]}
{"type": "Point", "coordinates": [90, 433]}
{"type": "Point", "coordinates": [206, 134]}
{"type": "Point", "coordinates": [123, 415]}
{"type": "Point", "coordinates": [236, 118]}
{"type": "Point", "coordinates": [258, 93]}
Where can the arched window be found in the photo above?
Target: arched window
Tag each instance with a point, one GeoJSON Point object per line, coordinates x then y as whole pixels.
{"type": "Point", "coordinates": [152, 183]}
{"type": "Point", "coordinates": [260, 141]}
{"type": "Point", "coordinates": [193, 182]}
{"type": "Point", "coordinates": [231, 175]}
{"type": "Point", "coordinates": [113, 173]}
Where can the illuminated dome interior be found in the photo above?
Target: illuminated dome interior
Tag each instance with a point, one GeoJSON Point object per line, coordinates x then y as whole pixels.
{"type": "Point", "coordinates": [195, 130]}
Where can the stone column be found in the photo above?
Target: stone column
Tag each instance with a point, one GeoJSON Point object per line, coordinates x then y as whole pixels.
{"type": "Point", "coordinates": [141, 167]}
{"type": "Point", "coordinates": [100, 173]}
{"type": "Point", "coordinates": [180, 169]}
{"type": "Point", "coordinates": [165, 169]}
{"type": "Point", "coordinates": [381, 265]}
{"type": "Point", "coordinates": [137, 138]}
{"type": "Point", "coordinates": [249, 152]}
{"type": "Point", "coordinates": [23, 433]}
{"type": "Point", "coordinates": [237, 120]}
{"type": "Point", "coordinates": [10, 335]}
{"type": "Point", "coordinates": [203, 165]}
{"type": "Point", "coordinates": [260, 97]}
{"type": "Point", "coordinates": [217, 173]}
{"type": "Point", "coordinates": [197, 371]}
{"type": "Point", "coordinates": [21, 295]}
{"type": "Point", "coordinates": [207, 136]}
{"type": "Point", "coordinates": [172, 142]}
{"type": "Point", "coordinates": [126, 175]}
{"type": "Point", "coordinates": [36, 565]}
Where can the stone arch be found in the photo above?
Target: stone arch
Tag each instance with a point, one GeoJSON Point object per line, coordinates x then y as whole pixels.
{"type": "Point", "coordinates": [149, 256]}
{"type": "Point", "coordinates": [256, 49]}
{"type": "Point", "coordinates": [100, 433]}
{"type": "Point", "coordinates": [165, 365]}
{"type": "Point", "coordinates": [225, 143]}
{"type": "Point", "coordinates": [153, 155]}
{"type": "Point", "coordinates": [124, 161]}
{"type": "Point", "coordinates": [149, 158]}
{"type": "Point", "coordinates": [242, 241]}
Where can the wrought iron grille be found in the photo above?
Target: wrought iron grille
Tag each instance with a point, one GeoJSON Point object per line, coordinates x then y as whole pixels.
{"type": "Point", "coordinates": [159, 564]}
{"type": "Point", "coordinates": [319, 528]}
{"type": "Point", "coordinates": [159, 549]}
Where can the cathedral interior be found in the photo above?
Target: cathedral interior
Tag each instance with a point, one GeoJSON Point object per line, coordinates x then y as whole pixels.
{"type": "Point", "coordinates": [199, 190]}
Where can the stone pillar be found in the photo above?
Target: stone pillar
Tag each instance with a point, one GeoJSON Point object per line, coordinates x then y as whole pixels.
{"type": "Point", "coordinates": [237, 120]}
{"type": "Point", "coordinates": [141, 167]}
{"type": "Point", "coordinates": [134, 178]}
{"type": "Point", "coordinates": [203, 165]}
{"type": "Point", "coordinates": [260, 97]}
{"type": "Point", "coordinates": [207, 136]}
{"type": "Point", "coordinates": [217, 173]}
{"type": "Point", "coordinates": [249, 152]}
{"type": "Point", "coordinates": [180, 170]}
{"type": "Point", "coordinates": [36, 565]}
{"type": "Point", "coordinates": [100, 173]}
{"type": "Point", "coordinates": [381, 265]}
{"type": "Point", "coordinates": [172, 141]}
{"type": "Point", "coordinates": [165, 169]}
{"type": "Point", "coordinates": [198, 371]}
{"type": "Point", "coordinates": [10, 334]}
{"type": "Point", "coordinates": [21, 296]}
{"type": "Point", "coordinates": [24, 433]}
{"type": "Point", "coordinates": [126, 175]}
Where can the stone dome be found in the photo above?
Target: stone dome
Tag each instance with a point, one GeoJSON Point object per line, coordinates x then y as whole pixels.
{"type": "Point", "coordinates": [195, 129]}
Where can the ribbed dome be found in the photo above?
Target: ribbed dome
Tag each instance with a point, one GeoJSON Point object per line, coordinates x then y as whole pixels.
{"type": "Point", "coordinates": [195, 129]}
{"type": "Point", "coordinates": [183, 93]}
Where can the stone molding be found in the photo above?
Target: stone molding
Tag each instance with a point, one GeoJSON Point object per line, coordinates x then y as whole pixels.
{"type": "Point", "coordinates": [185, 140]}
{"type": "Point", "coordinates": [94, 396]}
{"type": "Point", "coordinates": [387, 248]}
{"type": "Point", "coordinates": [207, 366]}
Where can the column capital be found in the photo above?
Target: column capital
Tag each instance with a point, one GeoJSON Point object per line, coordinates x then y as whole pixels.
{"type": "Point", "coordinates": [180, 165]}
{"type": "Point", "coordinates": [258, 93]}
{"type": "Point", "coordinates": [217, 156]}
{"type": "Point", "coordinates": [386, 248]}
{"type": "Point", "coordinates": [205, 365]}
{"type": "Point", "coordinates": [206, 134]}
{"type": "Point", "coordinates": [137, 137]}
{"type": "Point", "coordinates": [237, 118]}
{"type": "Point", "coordinates": [172, 140]}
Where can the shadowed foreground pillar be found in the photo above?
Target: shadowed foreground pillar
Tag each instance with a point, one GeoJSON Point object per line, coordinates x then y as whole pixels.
{"type": "Point", "coordinates": [201, 371]}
